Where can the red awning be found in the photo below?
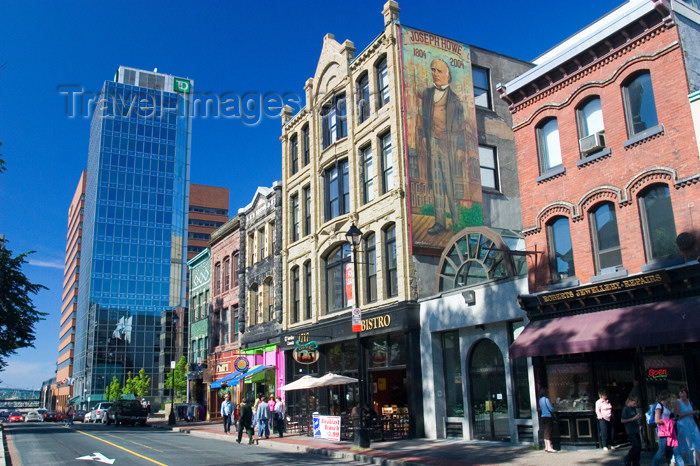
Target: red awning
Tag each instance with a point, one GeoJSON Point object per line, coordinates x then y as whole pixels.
{"type": "Point", "coordinates": [675, 321]}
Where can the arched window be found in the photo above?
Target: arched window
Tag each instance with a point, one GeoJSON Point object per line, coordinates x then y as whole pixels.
{"type": "Point", "coordinates": [480, 254]}
{"type": "Point", "coordinates": [306, 142]}
{"type": "Point", "coordinates": [640, 107]}
{"type": "Point", "coordinates": [658, 222]}
{"type": "Point", "coordinates": [336, 298]}
{"type": "Point", "coordinates": [606, 239]}
{"type": "Point", "coordinates": [295, 294]}
{"type": "Point", "coordinates": [590, 117]}
{"type": "Point", "coordinates": [561, 253]}
{"type": "Point", "coordinates": [337, 189]}
{"type": "Point", "coordinates": [548, 146]}
{"type": "Point", "coordinates": [363, 110]}
{"type": "Point", "coordinates": [371, 268]}
{"type": "Point", "coordinates": [294, 154]}
{"type": "Point", "coordinates": [382, 74]}
{"type": "Point", "coordinates": [269, 299]}
{"type": "Point", "coordinates": [253, 305]}
{"type": "Point", "coordinates": [307, 290]}
{"type": "Point", "coordinates": [390, 262]}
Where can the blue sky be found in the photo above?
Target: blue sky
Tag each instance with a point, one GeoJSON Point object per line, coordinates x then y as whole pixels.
{"type": "Point", "coordinates": [224, 47]}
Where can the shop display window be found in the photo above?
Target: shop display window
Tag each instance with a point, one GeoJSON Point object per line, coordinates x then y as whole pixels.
{"type": "Point", "coordinates": [570, 387]}
{"type": "Point", "coordinates": [388, 350]}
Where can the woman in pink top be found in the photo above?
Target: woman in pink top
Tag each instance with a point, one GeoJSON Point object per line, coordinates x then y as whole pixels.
{"type": "Point", "coordinates": [603, 411]}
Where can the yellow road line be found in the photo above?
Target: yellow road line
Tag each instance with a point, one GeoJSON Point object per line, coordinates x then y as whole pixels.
{"type": "Point", "coordinates": [120, 447]}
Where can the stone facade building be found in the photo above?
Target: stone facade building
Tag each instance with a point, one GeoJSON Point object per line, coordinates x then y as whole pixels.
{"type": "Point", "coordinates": [359, 153]}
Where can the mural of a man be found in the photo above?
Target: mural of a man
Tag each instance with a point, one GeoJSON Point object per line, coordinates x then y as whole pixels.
{"type": "Point", "coordinates": [444, 141]}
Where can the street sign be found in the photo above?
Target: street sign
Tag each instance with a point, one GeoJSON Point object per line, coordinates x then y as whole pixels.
{"type": "Point", "coordinates": [356, 320]}
{"type": "Point", "coordinates": [172, 364]}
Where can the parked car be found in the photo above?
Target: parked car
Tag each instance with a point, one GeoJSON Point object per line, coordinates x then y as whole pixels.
{"type": "Point", "coordinates": [126, 412]}
{"type": "Point", "coordinates": [33, 416]}
{"type": "Point", "coordinates": [88, 416]}
{"type": "Point", "coordinates": [16, 416]}
{"type": "Point", "coordinates": [79, 415]}
{"type": "Point", "coordinates": [99, 411]}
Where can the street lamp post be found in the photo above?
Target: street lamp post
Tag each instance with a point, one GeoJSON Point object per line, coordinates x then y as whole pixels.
{"type": "Point", "coordinates": [361, 434]}
{"type": "Point", "coordinates": [171, 418]}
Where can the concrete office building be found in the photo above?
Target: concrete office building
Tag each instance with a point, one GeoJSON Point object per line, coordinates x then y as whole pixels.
{"type": "Point", "coordinates": [63, 388]}
{"type": "Point", "coordinates": [134, 248]}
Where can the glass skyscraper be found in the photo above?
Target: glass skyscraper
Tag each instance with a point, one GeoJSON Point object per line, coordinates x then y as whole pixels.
{"type": "Point", "coordinates": [134, 252]}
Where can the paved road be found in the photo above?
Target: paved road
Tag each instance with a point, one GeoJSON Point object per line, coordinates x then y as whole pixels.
{"type": "Point", "coordinates": [51, 443]}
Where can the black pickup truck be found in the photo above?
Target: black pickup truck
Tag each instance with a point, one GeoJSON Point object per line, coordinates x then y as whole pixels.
{"type": "Point", "coordinates": [126, 412]}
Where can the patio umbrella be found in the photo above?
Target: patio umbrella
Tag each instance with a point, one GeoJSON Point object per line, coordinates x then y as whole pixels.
{"type": "Point", "coordinates": [305, 382]}
{"type": "Point", "coordinates": [333, 379]}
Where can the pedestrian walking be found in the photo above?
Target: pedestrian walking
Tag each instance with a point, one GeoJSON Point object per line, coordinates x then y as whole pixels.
{"type": "Point", "coordinates": [262, 415]}
{"type": "Point", "coordinates": [245, 422]}
{"type": "Point", "coordinates": [226, 412]}
{"type": "Point", "coordinates": [665, 430]}
{"type": "Point", "coordinates": [688, 434]}
{"type": "Point", "coordinates": [547, 418]}
{"type": "Point", "coordinates": [69, 415]}
{"type": "Point", "coordinates": [603, 411]}
{"type": "Point", "coordinates": [631, 419]}
{"type": "Point", "coordinates": [280, 414]}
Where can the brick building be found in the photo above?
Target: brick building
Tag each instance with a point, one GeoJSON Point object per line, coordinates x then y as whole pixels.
{"type": "Point", "coordinates": [608, 167]}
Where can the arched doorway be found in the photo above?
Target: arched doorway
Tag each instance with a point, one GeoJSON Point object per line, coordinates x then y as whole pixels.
{"type": "Point", "coordinates": [487, 379]}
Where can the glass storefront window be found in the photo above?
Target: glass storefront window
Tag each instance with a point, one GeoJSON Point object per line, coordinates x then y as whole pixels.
{"type": "Point", "coordinates": [397, 349]}
{"type": "Point", "coordinates": [663, 373]}
{"type": "Point", "coordinates": [388, 350]}
{"type": "Point", "coordinates": [570, 387]}
{"type": "Point", "coordinates": [335, 358]}
{"type": "Point", "coordinates": [378, 352]}
{"type": "Point", "coordinates": [454, 400]}
{"type": "Point", "coordinates": [522, 410]}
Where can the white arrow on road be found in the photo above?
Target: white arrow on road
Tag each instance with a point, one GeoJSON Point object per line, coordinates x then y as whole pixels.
{"type": "Point", "coordinates": [97, 457]}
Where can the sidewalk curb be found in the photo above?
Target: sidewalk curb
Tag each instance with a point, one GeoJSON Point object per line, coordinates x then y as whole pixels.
{"type": "Point", "coordinates": [296, 448]}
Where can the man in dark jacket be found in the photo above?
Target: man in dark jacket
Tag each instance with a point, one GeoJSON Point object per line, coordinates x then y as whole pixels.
{"type": "Point", "coordinates": [245, 421]}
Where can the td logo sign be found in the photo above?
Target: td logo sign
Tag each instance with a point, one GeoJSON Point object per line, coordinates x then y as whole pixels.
{"type": "Point", "coordinates": [182, 85]}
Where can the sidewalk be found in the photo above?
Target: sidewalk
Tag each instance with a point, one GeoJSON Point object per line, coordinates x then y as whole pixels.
{"type": "Point", "coordinates": [416, 451]}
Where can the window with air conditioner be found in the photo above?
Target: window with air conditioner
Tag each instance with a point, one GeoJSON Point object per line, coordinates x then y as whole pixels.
{"type": "Point", "coordinates": [591, 129]}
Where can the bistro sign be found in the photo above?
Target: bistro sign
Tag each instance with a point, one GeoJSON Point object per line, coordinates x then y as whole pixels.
{"type": "Point", "coordinates": [605, 288]}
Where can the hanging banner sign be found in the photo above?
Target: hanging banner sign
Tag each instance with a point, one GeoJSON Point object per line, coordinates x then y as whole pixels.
{"type": "Point", "coordinates": [348, 284]}
{"type": "Point", "coordinates": [241, 364]}
{"type": "Point", "coordinates": [306, 353]}
{"type": "Point", "coordinates": [356, 320]}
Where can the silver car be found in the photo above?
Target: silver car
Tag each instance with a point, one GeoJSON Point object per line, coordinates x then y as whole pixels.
{"type": "Point", "coordinates": [98, 412]}
{"type": "Point", "coordinates": [33, 416]}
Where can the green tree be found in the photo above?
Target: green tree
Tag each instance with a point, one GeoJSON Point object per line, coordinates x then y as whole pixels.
{"type": "Point", "coordinates": [17, 312]}
{"type": "Point", "coordinates": [114, 390]}
{"type": "Point", "coordinates": [180, 373]}
{"type": "Point", "coordinates": [139, 385]}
